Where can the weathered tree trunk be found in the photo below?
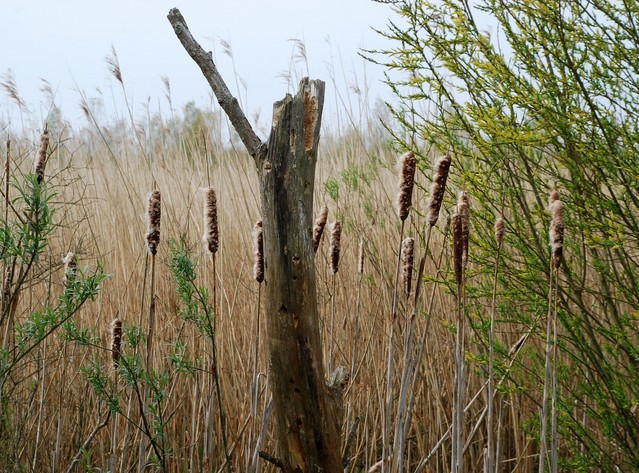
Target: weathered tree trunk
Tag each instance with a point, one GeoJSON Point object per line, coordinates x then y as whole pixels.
{"type": "Point", "coordinates": [307, 427]}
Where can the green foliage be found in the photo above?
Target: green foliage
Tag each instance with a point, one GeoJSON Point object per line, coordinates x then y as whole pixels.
{"type": "Point", "coordinates": [549, 100]}
{"type": "Point", "coordinates": [24, 242]}
{"type": "Point", "coordinates": [195, 307]}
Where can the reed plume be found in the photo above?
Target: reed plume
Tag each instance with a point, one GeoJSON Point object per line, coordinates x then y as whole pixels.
{"type": "Point", "coordinates": [318, 227]}
{"type": "Point", "coordinates": [153, 222]}
{"type": "Point", "coordinates": [408, 164]}
{"type": "Point", "coordinates": [211, 232]}
{"type": "Point", "coordinates": [258, 252]}
{"type": "Point", "coordinates": [408, 260]}
{"type": "Point", "coordinates": [41, 158]}
{"type": "Point", "coordinates": [437, 189]}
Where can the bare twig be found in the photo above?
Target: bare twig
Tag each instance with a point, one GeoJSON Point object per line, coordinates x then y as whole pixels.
{"type": "Point", "coordinates": [229, 104]}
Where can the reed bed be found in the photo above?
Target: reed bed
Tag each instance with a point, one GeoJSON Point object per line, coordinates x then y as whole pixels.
{"type": "Point", "coordinates": [103, 182]}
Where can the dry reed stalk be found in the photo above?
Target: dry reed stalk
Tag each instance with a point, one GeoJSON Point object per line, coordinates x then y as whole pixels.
{"type": "Point", "coordinates": [258, 275]}
{"type": "Point", "coordinates": [7, 180]}
{"type": "Point", "coordinates": [556, 237]}
{"type": "Point", "coordinates": [41, 158]}
{"type": "Point", "coordinates": [318, 227]}
{"type": "Point", "coordinates": [491, 460]}
{"type": "Point", "coordinates": [461, 224]}
{"type": "Point", "coordinates": [154, 214]}
{"type": "Point", "coordinates": [334, 255]}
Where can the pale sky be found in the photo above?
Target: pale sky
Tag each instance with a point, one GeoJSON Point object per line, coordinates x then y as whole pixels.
{"type": "Point", "coordinates": [66, 43]}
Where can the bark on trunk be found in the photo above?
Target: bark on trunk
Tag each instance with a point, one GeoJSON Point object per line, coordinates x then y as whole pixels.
{"type": "Point", "coordinates": [306, 410]}
{"type": "Point", "coordinates": [307, 427]}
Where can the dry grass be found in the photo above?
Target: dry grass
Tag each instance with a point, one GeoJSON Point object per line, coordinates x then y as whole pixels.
{"type": "Point", "coordinates": [102, 196]}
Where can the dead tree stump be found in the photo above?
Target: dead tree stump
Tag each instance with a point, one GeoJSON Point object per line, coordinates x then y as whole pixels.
{"type": "Point", "coordinates": [307, 427]}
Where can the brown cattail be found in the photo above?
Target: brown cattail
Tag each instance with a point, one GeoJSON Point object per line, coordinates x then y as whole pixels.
{"type": "Point", "coordinates": [360, 258]}
{"type": "Point", "coordinates": [41, 158]}
{"type": "Point", "coordinates": [211, 232]}
{"type": "Point", "coordinates": [408, 258]}
{"type": "Point", "coordinates": [406, 182]}
{"type": "Point", "coordinates": [458, 250]}
{"type": "Point", "coordinates": [258, 250]}
{"type": "Point", "coordinates": [70, 268]}
{"type": "Point", "coordinates": [336, 235]}
{"type": "Point", "coordinates": [464, 212]}
{"type": "Point", "coordinates": [6, 285]}
{"type": "Point", "coordinates": [500, 228]}
{"type": "Point", "coordinates": [153, 216]}
{"type": "Point", "coordinates": [318, 227]}
{"type": "Point", "coordinates": [556, 229]}
{"type": "Point", "coordinates": [116, 341]}
{"type": "Point", "coordinates": [437, 189]}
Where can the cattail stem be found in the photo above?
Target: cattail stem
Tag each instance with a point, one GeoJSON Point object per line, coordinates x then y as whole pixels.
{"type": "Point", "coordinates": [404, 407]}
{"type": "Point", "coordinates": [334, 252]}
{"type": "Point", "coordinates": [490, 454]}
{"type": "Point", "coordinates": [553, 412]}
{"type": "Point", "coordinates": [460, 257]}
{"type": "Point", "coordinates": [360, 273]}
{"type": "Point", "coordinates": [152, 242]}
{"type": "Point", "coordinates": [388, 402]}
{"type": "Point", "coordinates": [116, 340]}
{"type": "Point", "coordinates": [556, 236]}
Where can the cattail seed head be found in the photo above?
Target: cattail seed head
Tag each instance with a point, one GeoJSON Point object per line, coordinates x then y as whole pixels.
{"type": "Point", "coordinates": [116, 342]}
{"type": "Point", "coordinates": [258, 250]}
{"type": "Point", "coordinates": [408, 259]}
{"type": "Point", "coordinates": [70, 268]}
{"type": "Point", "coordinates": [211, 232]}
{"type": "Point", "coordinates": [437, 189]}
{"type": "Point", "coordinates": [458, 250]}
{"type": "Point", "coordinates": [463, 210]}
{"type": "Point", "coordinates": [556, 229]}
{"type": "Point", "coordinates": [6, 285]}
{"type": "Point", "coordinates": [318, 227]}
{"type": "Point", "coordinates": [153, 216]}
{"type": "Point", "coordinates": [360, 258]}
{"type": "Point", "coordinates": [334, 248]}
{"type": "Point", "coordinates": [500, 228]}
{"type": "Point", "coordinates": [406, 182]}
{"type": "Point", "coordinates": [41, 158]}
